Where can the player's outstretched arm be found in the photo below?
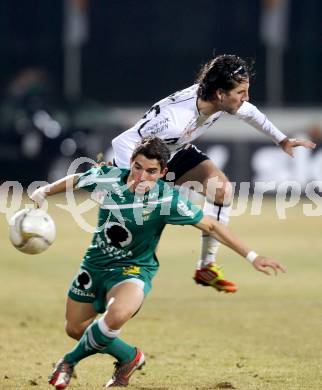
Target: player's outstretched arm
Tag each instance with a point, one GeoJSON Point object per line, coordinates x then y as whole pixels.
{"type": "Point", "coordinates": [289, 143]}
{"type": "Point", "coordinates": [266, 265]}
{"type": "Point", "coordinates": [40, 194]}
{"type": "Point", "coordinates": [226, 237]}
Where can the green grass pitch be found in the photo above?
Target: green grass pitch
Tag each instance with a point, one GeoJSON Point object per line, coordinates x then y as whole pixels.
{"type": "Point", "coordinates": [266, 336]}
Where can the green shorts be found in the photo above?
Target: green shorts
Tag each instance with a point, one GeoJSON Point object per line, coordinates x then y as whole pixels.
{"type": "Point", "coordinates": [91, 286]}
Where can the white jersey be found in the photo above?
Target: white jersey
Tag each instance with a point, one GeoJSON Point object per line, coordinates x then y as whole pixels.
{"type": "Point", "coordinates": [177, 121]}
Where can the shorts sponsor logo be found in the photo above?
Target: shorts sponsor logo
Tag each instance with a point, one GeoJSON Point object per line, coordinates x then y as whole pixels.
{"type": "Point", "coordinates": [131, 270]}
{"type": "Point", "coordinates": [82, 293]}
{"type": "Point", "coordinates": [83, 280]}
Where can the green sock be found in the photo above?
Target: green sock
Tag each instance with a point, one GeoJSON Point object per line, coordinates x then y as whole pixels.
{"type": "Point", "coordinates": [122, 351]}
{"type": "Point", "coordinates": [94, 341]}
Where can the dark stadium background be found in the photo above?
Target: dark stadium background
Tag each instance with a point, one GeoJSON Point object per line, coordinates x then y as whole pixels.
{"type": "Point", "coordinates": [135, 53]}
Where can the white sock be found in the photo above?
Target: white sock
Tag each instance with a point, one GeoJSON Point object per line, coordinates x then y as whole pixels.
{"type": "Point", "coordinates": [111, 333]}
{"type": "Point", "coordinates": [209, 248]}
{"type": "Point", "coordinates": [209, 245]}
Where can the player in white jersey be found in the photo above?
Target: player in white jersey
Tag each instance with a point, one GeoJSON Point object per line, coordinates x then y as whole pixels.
{"type": "Point", "coordinates": [222, 86]}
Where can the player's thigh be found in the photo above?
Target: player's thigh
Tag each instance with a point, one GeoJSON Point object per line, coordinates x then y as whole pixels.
{"type": "Point", "coordinates": [123, 301]}
{"type": "Point", "coordinates": [206, 174]}
{"type": "Point", "coordinates": [78, 316]}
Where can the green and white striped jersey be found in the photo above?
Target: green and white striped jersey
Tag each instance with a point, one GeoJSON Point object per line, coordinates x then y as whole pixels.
{"type": "Point", "coordinates": [130, 224]}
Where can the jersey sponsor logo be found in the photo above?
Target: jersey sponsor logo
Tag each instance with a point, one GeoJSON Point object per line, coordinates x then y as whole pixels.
{"type": "Point", "coordinates": [117, 234]}
{"type": "Point", "coordinates": [184, 209]}
{"type": "Point", "coordinates": [156, 128]}
{"type": "Point", "coordinates": [131, 270]}
{"type": "Point", "coordinates": [110, 251]}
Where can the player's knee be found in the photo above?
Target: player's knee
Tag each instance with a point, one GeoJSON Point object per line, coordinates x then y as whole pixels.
{"type": "Point", "coordinates": [116, 319]}
{"type": "Point", "coordinates": [222, 194]}
{"type": "Point", "coordinates": [227, 195]}
{"type": "Point", "coordinates": [73, 331]}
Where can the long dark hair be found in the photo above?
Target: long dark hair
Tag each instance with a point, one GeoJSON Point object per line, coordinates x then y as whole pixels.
{"type": "Point", "coordinates": [224, 72]}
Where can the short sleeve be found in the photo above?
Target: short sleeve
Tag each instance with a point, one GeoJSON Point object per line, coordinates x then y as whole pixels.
{"type": "Point", "coordinates": [182, 211]}
{"type": "Point", "coordinates": [87, 180]}
{"type": "Point", "coordinates": [97, 176]}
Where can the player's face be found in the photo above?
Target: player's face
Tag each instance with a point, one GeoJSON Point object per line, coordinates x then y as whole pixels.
{"type": "Point", "coordinates": [144, 173]}
{"type": "Point", "coordinates": [233, 99]}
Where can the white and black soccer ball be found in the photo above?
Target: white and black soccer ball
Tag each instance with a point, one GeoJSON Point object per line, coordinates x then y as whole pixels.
{"type": "Point", "coordinates": [32, 230]}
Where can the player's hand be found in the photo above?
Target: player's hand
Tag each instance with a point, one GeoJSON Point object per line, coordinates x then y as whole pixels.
{"type": "Point", "coordinates": [265, 265]}
{"type": "Point", "coordinates": [39, 196]}
{"type": "Point", "coordinates": [288, 144]}
{"type": "Point", "coordinates": [100, 161]}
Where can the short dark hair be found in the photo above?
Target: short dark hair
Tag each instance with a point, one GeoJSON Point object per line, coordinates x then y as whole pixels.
{"type": "Point", "coordinates": [153, 147]}
{"type": "Point", "coordinates": [225, 72]}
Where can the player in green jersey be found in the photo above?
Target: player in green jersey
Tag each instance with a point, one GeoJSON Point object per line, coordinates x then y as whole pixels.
{"type": "Point", "coordinates": [118, 267]}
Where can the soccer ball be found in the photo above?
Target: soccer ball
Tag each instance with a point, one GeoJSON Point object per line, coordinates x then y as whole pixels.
{"type": "Point", "coordinates": [32, 230]}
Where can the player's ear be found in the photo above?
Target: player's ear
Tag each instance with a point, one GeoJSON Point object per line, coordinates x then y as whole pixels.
{"type": "Point", "coordinates": [219, 94]}
{"type": "Point", "coordinates": [164, 171]}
